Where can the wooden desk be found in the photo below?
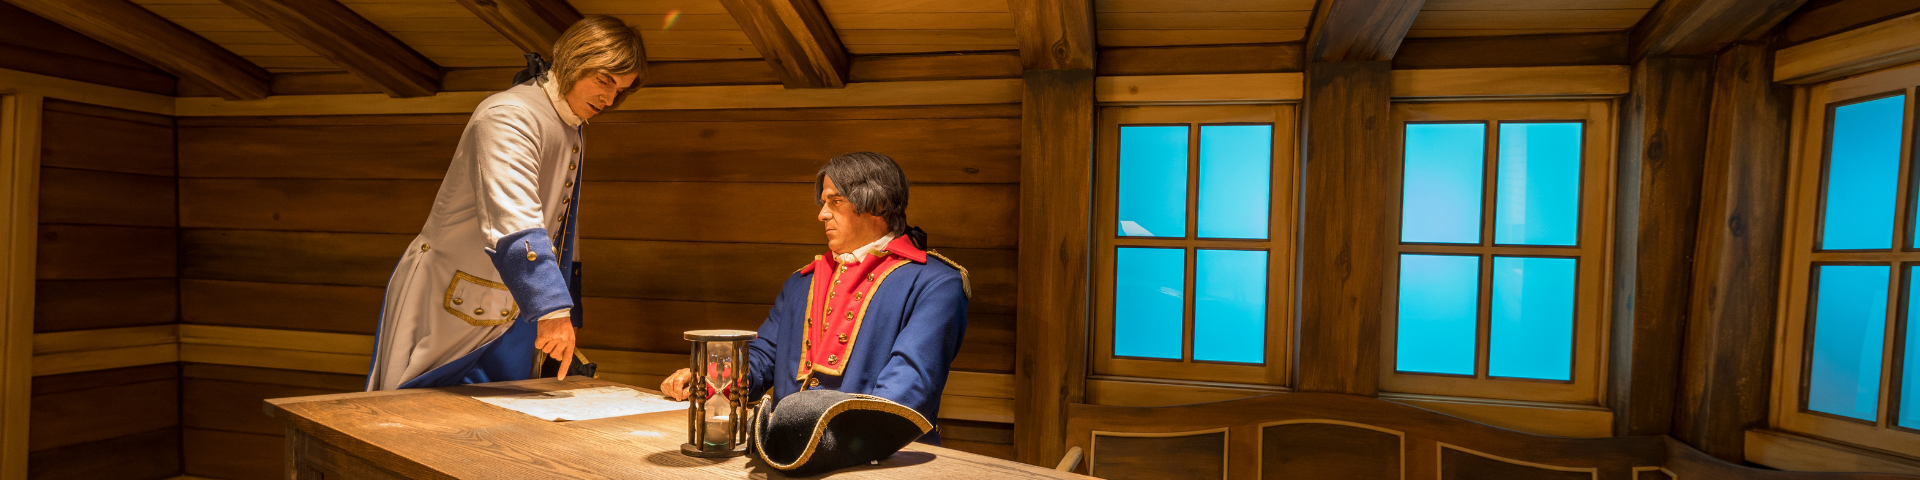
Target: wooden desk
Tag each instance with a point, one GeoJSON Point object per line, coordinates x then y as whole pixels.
{"type": "Point", "coordinates": [445, 433]}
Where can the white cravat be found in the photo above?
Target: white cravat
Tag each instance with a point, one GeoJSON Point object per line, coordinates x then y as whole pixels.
{"type": "Point", "coordinates": [860, 254]}
{"type": "Point", "coordinates": [559, 101]}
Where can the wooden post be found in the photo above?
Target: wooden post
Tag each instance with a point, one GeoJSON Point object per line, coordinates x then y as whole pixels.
{"type": "Point", "coordinates": [1736, 264]}
{"type": "Point", "coordinates": [19, 215]}
{"type": "Point", "coordinates": [1348, 168]}
{"type": "Point", "coordinates": [1663, 127]}
{"type": "Point", "coordinates": [1056, 182]}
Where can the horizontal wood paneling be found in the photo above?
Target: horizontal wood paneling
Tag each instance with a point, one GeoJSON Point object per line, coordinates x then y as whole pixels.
{"type": "Point", "coordinates": [73, 140]}
{"type": "Point", "coordinates": [1210, 59]}
{"type": "Point", "coordinates": [937, 150]}
{"type": "Point", "coordinates": [92, 360]}
{"type": "Point", "coordinates": [233, 455]}
{"type": "Point", "coordinates": [656, 325]}
{"type": "Point", "coordinates": [1225, 88]}
{"type": "Point", "coordinates": [419, 152]}
{"type": "Point", "coordinates": [234, 406]}
{"type": "Point", "coordinates": [80, 341]}
{"type": "Point", "coordinates": [80, 252]}
{"type": "Point", "coordinates": [682, 209]}
{"type": "Point", "coordinates": [362, 259]}
{"type": "Point", "coordinates": [51, 384]}
{"type": "Point", "coordinates": [61, 305]}
{"type": "Point", "coordinates": [984, 91]}
{"type": "Point", "coordinates": [80, 416]}
{"type": "Point", "coordinates": [752, 273]}
{"type": "Point", "coordinates": [324, 308]}
{"type": "Point", "coordinates": [1512, 51]}
{"type": "Point", "coordinates": [151, 455]}
{"type": "Point", "coordinates": [106, 198]}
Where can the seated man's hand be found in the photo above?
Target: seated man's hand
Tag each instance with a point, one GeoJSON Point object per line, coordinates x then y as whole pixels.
{"type": "Point", "coordinates": [676, 386]}
{"type": "Point", "coordinates": [556, 340]}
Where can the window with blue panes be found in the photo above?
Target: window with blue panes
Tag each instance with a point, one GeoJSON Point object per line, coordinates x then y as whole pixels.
{"type": "Point", "coordinates": [1500, 233]}
{"type": "Point", "coordinates": [1194, 233]}
{"type": "Point", "coordinates": [1854, 354]}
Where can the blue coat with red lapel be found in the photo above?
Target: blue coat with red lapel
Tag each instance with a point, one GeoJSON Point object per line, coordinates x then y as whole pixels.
{"type": "Point", "coordinates": [908, 330]}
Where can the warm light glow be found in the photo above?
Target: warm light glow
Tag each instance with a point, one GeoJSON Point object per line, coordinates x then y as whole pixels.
{"type": "Point", "coordinates": [672, 16]}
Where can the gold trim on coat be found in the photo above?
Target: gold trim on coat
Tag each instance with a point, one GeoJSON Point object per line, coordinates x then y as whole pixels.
{"type": "Point", "coordinates": [966, 285]}
{"type": "Point", "coordinates": [513, 310]}
{"type": "Point", "coordinates": [859, 319]}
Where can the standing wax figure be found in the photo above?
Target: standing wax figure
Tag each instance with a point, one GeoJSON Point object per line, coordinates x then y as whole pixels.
{"type": "Point", "coordinates": [878, 314]}
{"type": "Point", "coordinates": [494, 273]}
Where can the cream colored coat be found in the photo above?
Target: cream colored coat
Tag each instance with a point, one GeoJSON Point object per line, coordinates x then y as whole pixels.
{"type": "Point", "coordinates": [514, 170]}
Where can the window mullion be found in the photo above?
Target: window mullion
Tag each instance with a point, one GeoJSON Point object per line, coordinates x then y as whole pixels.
{"type": "Point", "coordinates": [1193, 233]}
{"type": "Point", "coordinates": [1889, 349]}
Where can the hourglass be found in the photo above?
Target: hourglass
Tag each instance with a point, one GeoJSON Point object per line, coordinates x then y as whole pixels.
{"type": "Point", "coordinates": [716, 418]}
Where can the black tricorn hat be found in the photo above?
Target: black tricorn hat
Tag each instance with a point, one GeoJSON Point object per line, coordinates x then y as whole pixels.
{"type": "Point", "coordinates": [816, 431]}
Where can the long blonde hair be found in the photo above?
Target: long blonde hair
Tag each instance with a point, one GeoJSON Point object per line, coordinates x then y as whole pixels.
{"type": "Point", "coordinates": [598, 44]}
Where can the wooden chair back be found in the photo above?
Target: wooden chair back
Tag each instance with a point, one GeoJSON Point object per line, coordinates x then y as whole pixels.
{"type": "Point", "coordinates": [1317, 435]}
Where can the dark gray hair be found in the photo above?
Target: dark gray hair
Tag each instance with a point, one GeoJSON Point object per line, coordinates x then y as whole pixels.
{"type": "Point", "coordinates": [873, 182]}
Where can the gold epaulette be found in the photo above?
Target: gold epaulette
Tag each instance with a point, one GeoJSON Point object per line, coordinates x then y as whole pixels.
{"type": "Point", "coordinates": [965, 285]}
{"type": "Point", "coordinates": [816, 258]}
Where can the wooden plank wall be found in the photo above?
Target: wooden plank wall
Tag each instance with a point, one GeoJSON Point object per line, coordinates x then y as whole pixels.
{"type": "Point", "coordinates": [290, 227]}
{"type": "Point", "coordinates": [105, 294]}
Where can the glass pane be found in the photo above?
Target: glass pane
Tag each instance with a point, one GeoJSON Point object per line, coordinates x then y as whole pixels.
{"type": "Point", "coordinates": [1230, 305]}
{"type": "Point", "coordinates": [1863, 165]}
{"type": "Point", "coordinates": [1444, 172]}
{"type": "Point", "coordinates": [1148, 286]}
{"type": "Point", "coordinates": [1153, 181]}
{"type": "Point", "coordinates": [1439, 305]}
{"type": "Point", "coordinates": [1538, 189]}
{"type": "Point", "coordinates": [1849, 324]}
{"type": "Point", "coordinates": [1910, 378]}
{"type": "Point", "coordinates": [1532, 318]}
{"type": "Point", "coordinates": [1235, 166]}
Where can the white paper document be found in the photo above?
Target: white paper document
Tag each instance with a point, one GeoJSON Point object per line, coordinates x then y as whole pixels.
{"type": "Point", "coordinates": [584, 403]}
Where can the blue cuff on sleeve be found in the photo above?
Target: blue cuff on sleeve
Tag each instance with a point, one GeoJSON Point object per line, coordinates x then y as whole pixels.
{"type": "Point", "coordinates": [526, 264]}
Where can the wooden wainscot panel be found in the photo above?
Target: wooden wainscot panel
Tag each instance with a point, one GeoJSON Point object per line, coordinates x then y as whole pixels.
{"type": "Point", "coordinates": [1462, 464]}
{"type": "Point", "coordinates": [92, 350]}
{"type": "Point", "coordinates": [383, 151]}
{"type": "Point", "coordinates": [61, 305]}
{"type": "Point", "coordinates": [929, 150]}
{"type": "Point", "coordinates": [73, 417]}
{"type": "Point", "coordinates": [327, 308]}
{"type": "Point", "coordinates": [77, 91]}
{"type": "Point", "coordinates": [1229, 88]}
{"type": "Point", "coordinates": [1126, 456]}
{"type": "Point", "coordinates": [230, 405]}
{"type": "Point", "coordinates": [1579, 421]}
{"type": "Point", "coordinates": [1574, 81]}
{"type": "Point", "coordinates": [71, 139]}
{"type": "Point", "coordinates": [282, 349]}
{"type": "Point", "coordinates": [106, 198]}
{"type": "Point", "coordinates": [79, 252]}
{"type": "Point", "coordinates": [362, 259]}
{"type": "Point", "coordinates": [957, 216]}
{"type": "Point", "coordinates": [1330, 449]}
{"type": "Point", "coordinates": [152, 454]}
{"type": "Point", "coordinates": [1864, 49]}
{"type": "Point", "coordinates": [330, 205]}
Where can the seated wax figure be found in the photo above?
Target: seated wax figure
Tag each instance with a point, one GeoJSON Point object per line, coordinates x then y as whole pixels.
{"type": "Point", "coordinates": [494, 273]}
{"type": "Point", "coordinates": [878, 314]}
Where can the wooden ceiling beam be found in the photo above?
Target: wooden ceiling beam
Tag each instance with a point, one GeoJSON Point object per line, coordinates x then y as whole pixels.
{"type": "Point", "coordinates": [1704, 27]}
{"type": "Point", "coordinates": [350, 41]}
{"type": "Point", "coordinates": [796, 40]}
{"type": "Point", "coordinates": [532, 25]}
{"type": "Point", "coordinates": [1054, 34]}
{"type": "Point", "coordinates": [1359, 30]}
{"type": "Point", "coordinates": [139, 32]}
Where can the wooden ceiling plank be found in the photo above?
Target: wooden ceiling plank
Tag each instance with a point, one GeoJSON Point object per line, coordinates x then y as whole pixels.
{"type": "Point", "coordinates": [1359, 30]}
{"type": "Point", "coordinates": [533, 25]}
{"type": "Point", "coordinates": [152, 38]}
{"type": "Point", "coordinates": [1054, 34]}
{"type": "Point", "coordinates": [796, 39]}
{"type": "Point", "coordinates": [1704, 27]}
{"type": "Point", "coordinates": [350, 41]}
